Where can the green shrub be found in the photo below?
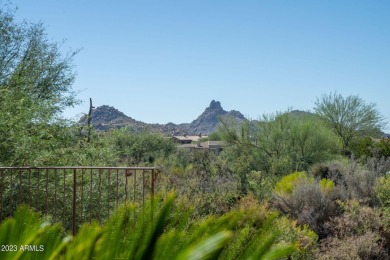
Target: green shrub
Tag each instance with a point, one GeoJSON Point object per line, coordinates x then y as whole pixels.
{"type": "Point", "coordinates": [308, 200]}
{"type": "Point", "coordinates": [326, 185]}
{"type": "Point", "coordinates": [330, 171]}
{"type": "Point", "coordinates": [367, 147]}
{"type": "Point", "coordinates": [356, 219]}
{"type": "Point", "coordinates": [305, 237]}
{"type": "Point", "coordinates": [261, 184]}
{"type": "Point", "coordinates": [139, 148]}
{"type": "Point", "coordinates": [360, 232]}
{"type": "Point", "coordinates": [357, 182]}
{"type": "Point", "coordinates": [28, 228]}
{"type": "Point", "coordinates": [365, 246]}
{"type": "Point", "coordinates": [287, 183]}
{"type": "Point", "coordinates": [257, 219]}
{"type": "Point", "coordinates": [133, 232]}
{"type": "Point", "coordinates": [207, 182]}
{"type": "Point", "coordinates": [383, 190]}
{"type": "Point", "coordinates": [354, 180]}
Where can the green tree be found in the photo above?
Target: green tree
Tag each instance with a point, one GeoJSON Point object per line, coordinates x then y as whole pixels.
{"type": "Point", "coordinates": [310, 142]}
{"type": "Point", "coordinates": [283, 142]}
{"type": "Point", "coordinates": [140, 148]}
{"type": "Point", "coordinates": [368, 147]}
{"type": "Point", "coordinates": [349, 117]}
{"type": "Point", "coordinates": [35, 87]}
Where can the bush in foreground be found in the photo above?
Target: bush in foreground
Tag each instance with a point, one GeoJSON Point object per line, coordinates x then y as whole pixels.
{"type": "Point", "coordinates": [308, 200]}
{"type": "Point", "coordinates": [131, 233]}
{"type": "Point", "coordinates": [360, 233]}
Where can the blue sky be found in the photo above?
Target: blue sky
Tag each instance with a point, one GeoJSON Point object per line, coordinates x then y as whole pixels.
{"type": "Point", "coordinates": [164, 61]}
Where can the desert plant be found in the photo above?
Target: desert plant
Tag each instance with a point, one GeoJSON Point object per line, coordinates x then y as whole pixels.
{"type": "Point", "coordinates": [349, 117]}
{"type": "Point", "coordinates": [383, 190]}
{"type": "Point", "coordinates": [280, 143]}
{"type": "Point", "coordinates": [204, 179]}
{"type": "Point", "coordinates": [134, 232]}
{"type": "Point", "coordinates": [27, 231]}
{"type": "Point", "coordinates": [358, 183]}
{"type": "Point", "coordinates": [35, 87]}
{"type": "Point", "coordinates": [367, 147]}
{"type": "Point", "coordinates": [355, 220]}
{"type": "Point", "coordinates": [139, 148]}
{"type": "Point", "coordinates": [354, 180]}
{"type": "Point", "coordinates": [379, 166]}
{"type": "Point", "coordinates": [353, 247]}
{"type": "Point", "coordinates": [326, 185]}
{"type": "Point", "coordinates": [360, 232]}
{"type": "Point", "coordinates": [330, 171]}
{"type": "Point", "coordinates": [309, 200]}
{"type": "Point", "coordinates": [261, 184]}
{"type": "Point", "coordinates": [287, 184]}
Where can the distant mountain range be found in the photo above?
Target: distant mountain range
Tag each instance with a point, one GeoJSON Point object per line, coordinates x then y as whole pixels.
{"type": "Point", "coordinates": [106, 117]}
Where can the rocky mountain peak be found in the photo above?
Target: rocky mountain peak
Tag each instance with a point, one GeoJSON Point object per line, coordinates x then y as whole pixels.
{"type": "Point", "coordinates": [107, 113]}
{"type": "Point", "coordinates": [208, 121]}
{"type": "Point", "coordinates": [215, 105]}
{"type": "Point", "coordinates": [106, 117]}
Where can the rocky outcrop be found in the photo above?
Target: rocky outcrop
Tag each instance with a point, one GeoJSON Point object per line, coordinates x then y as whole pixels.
{"type": "Point", "coordinates": [106, 117]}
{"type": "Point", "coordinates": [208, 121]}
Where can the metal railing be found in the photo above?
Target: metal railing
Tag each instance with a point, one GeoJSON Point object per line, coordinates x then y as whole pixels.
{"type": "Point", "coordinates": [74, 195]}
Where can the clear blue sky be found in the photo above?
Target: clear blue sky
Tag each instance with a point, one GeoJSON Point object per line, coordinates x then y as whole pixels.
{"type": "Point", "coordinates": [164, 61]}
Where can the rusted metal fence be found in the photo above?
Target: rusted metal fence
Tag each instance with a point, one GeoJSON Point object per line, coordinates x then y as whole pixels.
{"type": "Point", "coordinates": [74, 195]}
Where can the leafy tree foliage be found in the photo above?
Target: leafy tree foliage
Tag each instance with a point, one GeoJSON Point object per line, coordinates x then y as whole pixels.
{"type": "Point", "coordinates": [140, 148]}
{"type": "Point", "coordinates": [367, 147]}
{"type": "Point", "coordinates": [35, 87]}
{"type": "Point", "coordinates": [31, 65]}
{"type": "Point", "coordinates": [277, 144]}
{"type": "Point", "coordinates": [349, 117]}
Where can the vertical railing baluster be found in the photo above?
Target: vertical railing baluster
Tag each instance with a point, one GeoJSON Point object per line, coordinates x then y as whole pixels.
{"type": "Point", "coordinates": [99, 194]}
{"type": "Point", "coordinates": [63, 198]}
{"type": "Point", "coordinates": [47, 191]}
{"type": "Point", "coordinates": [82, 195]}
{"type": "Point", "coordinates": [38, 191]}
{"type": "Point", "coordinates": [117, 185]}
{"type": "Point", "coordinates": [55, 195]}
{"type": "Point", "coordinates": [135, 185]}
{"type": "Point", "coordinates": [143, 196]}
{"type": "Point", "coordinates": [74, 203]}
{"type": "Point", "coordinates": [108, 193]}
{"type": "Point", "coordinates": [29, 187]}
{"type": "Point", "coordinates": [20, 186]}
{"type": "Point", "coordinates": [152, 191]}
{"type": "Point", "coordinates": [11, 194]}
{"type": "Point", "coordinates": [143, 188]}
{"type": "Point", "coordinates": [126, 187]}
{"type": "Point", "coordinates": [90, 198]}
{"type": "Point", "coordinates": [2, 191]}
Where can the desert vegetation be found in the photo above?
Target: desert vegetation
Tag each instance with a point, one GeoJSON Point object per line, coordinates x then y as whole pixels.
{"type": "Point", "coordinates": [298, 186]}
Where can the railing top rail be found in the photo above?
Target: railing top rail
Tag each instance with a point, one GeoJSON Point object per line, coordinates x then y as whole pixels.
{"type": "Point", "coordinates": [80, 167]}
